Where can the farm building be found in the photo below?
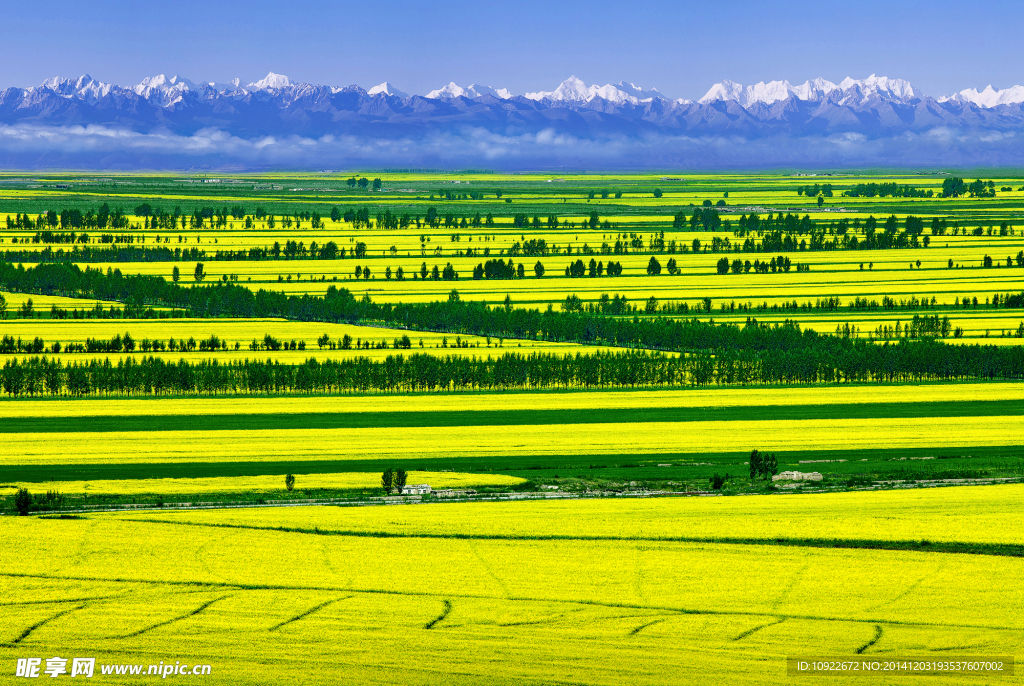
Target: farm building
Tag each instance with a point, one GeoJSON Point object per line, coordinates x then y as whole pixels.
{"type": "Point", "coordinates": [417, 489]}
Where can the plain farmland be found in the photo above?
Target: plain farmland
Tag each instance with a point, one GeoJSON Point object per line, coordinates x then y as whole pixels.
{"type": "Point", "coordinates": [612, 587]}
{"type": "Point", "coordinates": [522, 592]}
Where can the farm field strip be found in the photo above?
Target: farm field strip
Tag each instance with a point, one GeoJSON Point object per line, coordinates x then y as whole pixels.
{"type": "Point", "coordinates": [855, 593]}
{"type": "Point", "coordinates": [378, 256]}
{"type": "Point", "coordinates": [501, 418]}
{"type": "Point", "coordinates": [245, 331]}
{"type": "Point", "coordinates": [944, 284]}
{"type": "Point", "coordinates": [691, 398]}
{"type": "Point", "coordinates": [133, 588]}
{"type": "Point", "coordinates": [258, 445]}
{"type": "Point", "coordinates": [935, 514]}
{"type": "Point", "coordinates": [663, 471]}
{"type": "Point", "coordinates": [498, 237]}
{"type": "Point", "coordinates": [255, 484]}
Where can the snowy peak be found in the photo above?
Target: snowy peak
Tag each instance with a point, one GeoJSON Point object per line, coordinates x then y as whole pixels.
{"type": "Point", "coordinates": [768, 93]}
{"type": "Point", "coordinates": [476, 90]}
{"type": "Point", "coordinates": [163, 91]}
{"type": "Point", "coordinates": [726, 90]}
{"type": "Point", "coordinates": [162, 83]}
{"type": "Point", "coordinates": [990, 97]}
{"type": "Point", "coordinates": [879, 87]}
{"type": "Point", "coordinates": [574, 91]}
{"type": "Point", "coordinates": [232, 86]}
{"type": "Point", "coordinates": [271, 81]}
{"type": "Point", "coordinates": [454, 90]}
{"type": "Point", "coordinates": [636, 91]}
{"type": "Point", "coordinates": [849, 91]}
{"type": "Point", "coordinates": [84, 87]}
{"type": "Point", "coordinates": [387, 88]}
{"type": "Point", "coordinates": [570, 90]}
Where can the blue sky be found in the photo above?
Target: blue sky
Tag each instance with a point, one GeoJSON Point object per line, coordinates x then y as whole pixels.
{"type": "Point", "coordinates": [682, 48]}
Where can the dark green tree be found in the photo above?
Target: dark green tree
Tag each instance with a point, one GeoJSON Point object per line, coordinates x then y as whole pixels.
{"type": "Point", "coordinates": [755, 464]}
{"type": "Point", "coordinates": [289, 481]}
{"type": "Point", "coordinates": [387, 481]}
{"type": "Point", "coordinates": [401, 477]}
{"type": "Point", "coordinates": [953, 187]}
{"type": "Point", "coordinates": [23, 501]}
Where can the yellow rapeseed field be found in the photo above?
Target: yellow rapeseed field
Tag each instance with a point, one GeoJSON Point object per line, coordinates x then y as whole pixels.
{"type": "Point", "coordinates": [256, 484]}
{"type": "Point", "coordinates": [261, 605]}
{"type": "Point", "coordinates": [583, 400]}
{"type": "Point", "coordinates": [637, 438]}
{"type": "Point", "coordinates": [993, 515]}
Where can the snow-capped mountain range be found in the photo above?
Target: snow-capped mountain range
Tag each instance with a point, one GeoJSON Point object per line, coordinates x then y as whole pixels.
{"type": "Point", "coordinates": [852, 91]}
{"type": "Point", "coordinates": [990, 97]}
{"type": "Point", "coordinates": [576, 91]}
{"type": "Point", "coordinates": [168, 91]}
{"type": "Point", "coordinates": [261, 113]}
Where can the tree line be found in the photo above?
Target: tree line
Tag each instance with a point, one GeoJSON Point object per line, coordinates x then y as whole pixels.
{"type": "Point", "coordinates": [886, 190]}
{"type": "Point", "coordinates": [452, 315]}
{"type": "Point", "coordinates": [780, 264]}
{"type": "Point", "coordinates": [824, 362]}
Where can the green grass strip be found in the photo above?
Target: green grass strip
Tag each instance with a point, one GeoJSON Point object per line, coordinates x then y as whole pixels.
{"type": "Point", "coordinates": [361, 420]}
{"type": "Point", "coordinates": [955, 547]}
{"type": "Point", "coordinates": [527, 466]}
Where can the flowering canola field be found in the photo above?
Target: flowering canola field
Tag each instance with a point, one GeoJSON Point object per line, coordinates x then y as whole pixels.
{"type": "Point", "coordinates": [412, 604]}
{"type": "Point", "coordinates": [437, 442]}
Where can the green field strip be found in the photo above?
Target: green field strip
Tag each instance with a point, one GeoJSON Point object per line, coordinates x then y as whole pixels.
{"type": "Point", "coordinates": [411, 419]}
{"type": "Point", "coordinates": [532, 466]}
{"type": "Point", "coordinates": [955, 547]}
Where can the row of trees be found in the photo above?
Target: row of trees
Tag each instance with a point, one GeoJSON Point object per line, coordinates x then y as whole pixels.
{"type": "Point", "coordinates": [826, 362]}
{"type": "Point", "coordinates": [595, 268]}
{"type": "Point", "coordinates": [453, 315]}
{"type": "Point", "coordinates": [102, 218]}
{"type": "Point", "coordinates": [117, 344]}
{"type": "Point", "coordinates": [393, 480]}
{"type": "Point", "coordinates": [886, 190]}
{"type": "Point", "coordinates": [291, 250]}
{"type": "Point", "coordinates": [776, 264]}
{"type": "Point", "coordinates": [763, 464]}
{"type": "Point", "coordinates": [25, 502]}
{"type": "Point", "coordinates": [497, 269]}
{"type": "Point", "coordinates": [954, 187]}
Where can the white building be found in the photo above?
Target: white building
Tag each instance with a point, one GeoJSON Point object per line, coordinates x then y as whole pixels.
{"type": "Point", "coordinates": [416, 489]}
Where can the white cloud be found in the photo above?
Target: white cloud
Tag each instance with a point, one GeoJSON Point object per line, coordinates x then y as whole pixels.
{"type": "Point", "coordinates": [95, 146]}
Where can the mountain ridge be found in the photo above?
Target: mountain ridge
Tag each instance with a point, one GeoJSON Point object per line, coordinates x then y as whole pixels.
{"type": "Point", "coordinates": [277, 121]}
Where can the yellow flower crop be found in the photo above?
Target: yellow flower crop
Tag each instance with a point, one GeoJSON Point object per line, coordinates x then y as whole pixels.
{"type": "Point", "coordinates": [264, 605]}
